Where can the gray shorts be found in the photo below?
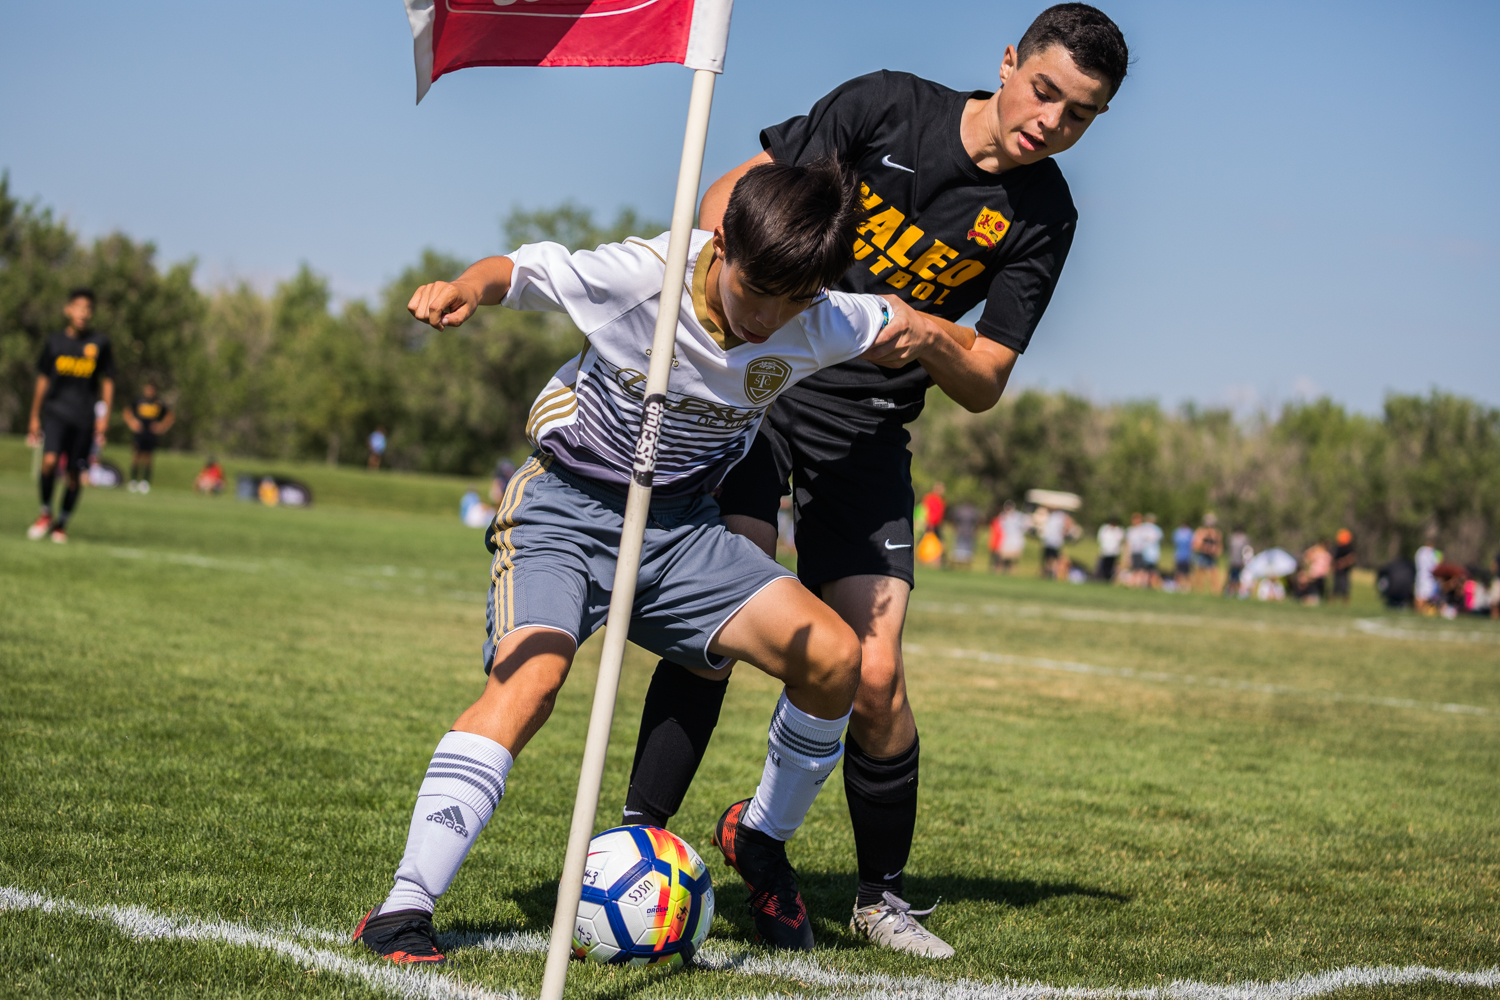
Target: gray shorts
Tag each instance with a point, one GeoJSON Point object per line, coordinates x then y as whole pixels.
{"type": "Point", "coordinates": [555, 538]}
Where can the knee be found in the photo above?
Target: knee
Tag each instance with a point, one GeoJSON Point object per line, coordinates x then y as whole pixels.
{"type": "Point", "coordinates": [49, 463]}
{"type": "Point", "coordinates": [835, 667]}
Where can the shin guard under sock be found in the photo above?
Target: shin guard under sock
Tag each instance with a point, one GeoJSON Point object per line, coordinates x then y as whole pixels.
{"type": "Point", "coordinates": [882, 796]}
{"type": "Point", "coordinates": [677, 722]}
{"type": "Point", "coordinates": [801, 753]}
{"type": "Point", "coordinates": [464, 784]}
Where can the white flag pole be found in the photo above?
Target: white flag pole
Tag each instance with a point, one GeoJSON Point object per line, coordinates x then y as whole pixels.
{"type": "Point", "coordinates": [637, 505]}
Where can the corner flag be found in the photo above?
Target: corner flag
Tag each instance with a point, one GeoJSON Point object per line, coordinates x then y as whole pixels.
{"type": "Point", "coordinates": [452, 34]}
{"type": "Point", "coordinates": [455, 34]}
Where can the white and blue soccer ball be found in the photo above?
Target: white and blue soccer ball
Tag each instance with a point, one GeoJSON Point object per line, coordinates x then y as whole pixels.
{"type": "Point", "coordinates": [647, 899]}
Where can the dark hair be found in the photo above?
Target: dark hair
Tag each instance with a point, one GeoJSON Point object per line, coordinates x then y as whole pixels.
{"type": "Point", "coordinates": [1091, 38]}
{"type": "Point", "coordinates": [81, 293]}
{"type": "Point", "coordinates": [791, 229]}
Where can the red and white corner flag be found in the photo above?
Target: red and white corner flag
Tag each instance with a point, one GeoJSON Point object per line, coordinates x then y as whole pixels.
{"type": "Point", "coordinates": [455, 34]}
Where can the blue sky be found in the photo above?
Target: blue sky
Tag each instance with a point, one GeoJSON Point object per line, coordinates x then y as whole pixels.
{"type": "Point", "coordinates": [1286, 199]}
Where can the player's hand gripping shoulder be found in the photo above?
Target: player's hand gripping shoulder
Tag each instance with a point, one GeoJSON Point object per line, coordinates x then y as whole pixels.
{"type": "Point", "coordinates": [911, 335]}
{"type": "Point", "coordinates": [448, 303]}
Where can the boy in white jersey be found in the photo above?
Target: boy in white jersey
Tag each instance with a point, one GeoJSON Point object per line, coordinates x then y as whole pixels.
{"type": "Point", "coordinates": [755, 319]}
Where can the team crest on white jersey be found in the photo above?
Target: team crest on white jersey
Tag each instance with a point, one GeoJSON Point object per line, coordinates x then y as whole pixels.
{"type": "Point", "coordinates": [764, 377]}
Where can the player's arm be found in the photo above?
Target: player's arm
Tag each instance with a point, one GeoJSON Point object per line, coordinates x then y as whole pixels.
{"type": "Point", "coordinates": [131, 421]}
{"type": "Point", "coordinates": [165, 423]}
{"type": "Point", "coordinates": [449, 303]}
{"type": "Point", "coordinates": [716, 198]}
{"type": "Point", "coordinates": [34, 424]}
{"type": "Point", "coordinates": [972, 370]}
{"type": "Point", "coordinates": [101, 412]}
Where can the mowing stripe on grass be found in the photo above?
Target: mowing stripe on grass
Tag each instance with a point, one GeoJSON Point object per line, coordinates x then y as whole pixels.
{"type": "Point", "coordinates": [140, 923]}
{"type": "Point", "coordinates": [1373, 627]}
{"type": "Point", "coordinates": [143, 924]}
{"type": "Point", "coordinates": [1070, 667]}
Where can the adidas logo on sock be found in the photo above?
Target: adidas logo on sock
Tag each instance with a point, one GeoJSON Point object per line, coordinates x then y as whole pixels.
{"type": "Point", "coordinates": [452, 818]}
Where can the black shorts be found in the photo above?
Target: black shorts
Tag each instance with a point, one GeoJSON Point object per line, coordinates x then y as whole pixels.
{"type": "Point", "coordinates": [72, 441]}
{"type": "Point", "coordinates": [145, 441]}
{"type": "Point", "coordinates": [1341, 583]}
{"type": "Point", "coordinates": [851, 491]}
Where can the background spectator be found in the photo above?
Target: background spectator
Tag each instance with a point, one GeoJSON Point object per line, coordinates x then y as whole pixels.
{"type": "Point", "coordinates": [1054, 532]}
{"type": "Point", "coordinates": [1208, 545]}
{"type": "Point", "coordinates": [1239, 554]}
{"type": "Point", "coordinates": [210, 478]}
{"type": "Point", "coordinates": [1182, 557]}
{"type": "Point", "coordinates": [1111, 537]}
{"type": "Point", "coordinates": [1013, 536]}
{"type": "Point", "coordinates": [1343, 564]}
{"type": "Point", "coordinates": [1426, 589]}
{"type": "Point", "coordinates": [965, 518]}
{"type": "Point", "coordinates": [377, 447]}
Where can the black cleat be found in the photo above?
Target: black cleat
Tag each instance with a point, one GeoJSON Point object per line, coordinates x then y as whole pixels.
{"type": "Point", "coordinates": [403, 936]}
{"type": "Point", "coordinates": [775, 904]}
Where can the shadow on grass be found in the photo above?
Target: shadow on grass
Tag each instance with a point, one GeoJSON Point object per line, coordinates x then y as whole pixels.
{"type": "Point", "coordinates": [830, 899]}
{"type": "Point", "coordinates": [829, 896]}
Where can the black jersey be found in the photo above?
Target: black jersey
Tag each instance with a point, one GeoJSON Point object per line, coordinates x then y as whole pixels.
{"type": "Point", "coordinates": [73, 367]}
{"type": "Point", "coordinates": [149, 411]}
{"type": "Point", "coordinates": [943, 234]}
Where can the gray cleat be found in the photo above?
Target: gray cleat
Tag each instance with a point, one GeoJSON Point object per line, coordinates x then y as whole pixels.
{"type": "Point", "coordinates": [889, 924]}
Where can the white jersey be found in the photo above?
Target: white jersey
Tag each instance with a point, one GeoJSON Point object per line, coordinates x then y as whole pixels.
{"type": "Point", "coordinates": [589, 414]}
{"type": "Point", "coordinates": [1110, 537]}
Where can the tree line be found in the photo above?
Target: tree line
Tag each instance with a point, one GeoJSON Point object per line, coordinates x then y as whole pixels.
{"type": "Point", "coordinates": [286, 375]}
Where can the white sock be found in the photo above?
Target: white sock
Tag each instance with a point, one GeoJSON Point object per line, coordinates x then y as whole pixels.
{"type": "Point", "coordinates": [464, 784]}
{"type": "Point", "coordinates": [801, 754]}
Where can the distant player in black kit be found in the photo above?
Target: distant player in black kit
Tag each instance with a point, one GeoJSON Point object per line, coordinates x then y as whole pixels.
{"type": "Point", "coordinates": [75, 387]}
{"type": "Point", "coordinates": [967, 208]}
{"type": "Point", "coordinates": [148, 418]}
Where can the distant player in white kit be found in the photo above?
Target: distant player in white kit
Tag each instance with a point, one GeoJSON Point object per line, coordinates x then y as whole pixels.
{"type": "Point", "coordinates": [756, 318]}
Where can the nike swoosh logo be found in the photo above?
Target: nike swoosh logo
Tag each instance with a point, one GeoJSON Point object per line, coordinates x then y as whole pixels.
{"type": "Point", "coordinates": [894, 874]}
{"type": "Point", "coordinates": [894, 547]}
{"type": "Point", "coordinates": [632, 812]}
{"type": "Point", "coordinates": [886, 159]}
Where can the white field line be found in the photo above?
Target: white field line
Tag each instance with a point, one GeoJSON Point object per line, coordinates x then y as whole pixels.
{"type": "Point", "coordinates": [1071, 667]}
{"type": "Point", "coordinates": [851, 986]}
{"type": "Point", "coordinates": [143, 924]}
{"type": "Point", "coordinates": [1374, 627]}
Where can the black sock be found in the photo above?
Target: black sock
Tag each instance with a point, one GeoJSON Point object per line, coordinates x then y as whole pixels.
{"type": "Point", "coordinates": [677, 722]}
{"type": "Point", "coordinates": [146, 473]}
{"type": "Point", "coordinates": [49, 486]}
{"type": "Point", "coordinates": [69, 501]}
{"type": "Point", "coordinates": [882, 794]}
{"type": "Point", "coordinates": [134, 470]}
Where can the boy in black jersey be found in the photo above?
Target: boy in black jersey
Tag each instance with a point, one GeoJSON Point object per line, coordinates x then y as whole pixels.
{"type": "Point", "coordinates": [75, 386]}
{"type": "Point", "coordinates": [148, 418]}
{"type": "Point", "coordinates": [967, 207]}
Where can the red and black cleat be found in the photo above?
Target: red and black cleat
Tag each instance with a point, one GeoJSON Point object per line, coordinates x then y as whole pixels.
{"type": "Point", "coordinates": [403, 936]}
{"type": "Point", "coordinates": [775, 904]}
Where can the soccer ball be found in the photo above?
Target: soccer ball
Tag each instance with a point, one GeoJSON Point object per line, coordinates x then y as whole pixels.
{"type": "Point", "coordinates": [647, 900]}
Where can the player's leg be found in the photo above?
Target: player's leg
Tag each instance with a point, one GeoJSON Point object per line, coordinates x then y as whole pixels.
{"type": "Point", "coordinates": [147, 459]}
{"type": "Point", "coordinates": [541, 585]}
{"type": "Point", "coordinates": [855, 502]}
{"type": "Point", "coordinates": [708, 596]}
{"type": "Point", "coordinates": [77, 441]}
{"type": "Point", "coordinates": [792, 636]}
{"type": "Point", "coordinates": [683, 701]}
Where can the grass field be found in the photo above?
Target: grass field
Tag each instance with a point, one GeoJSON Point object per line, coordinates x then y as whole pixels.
{"type": "Point", "coordinates": [214, 716]}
